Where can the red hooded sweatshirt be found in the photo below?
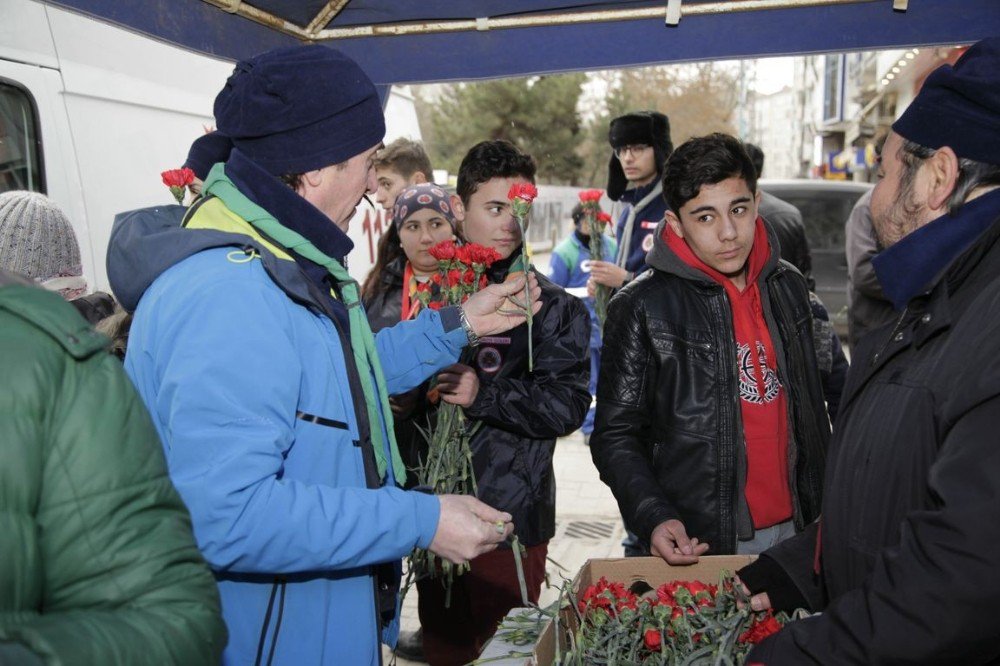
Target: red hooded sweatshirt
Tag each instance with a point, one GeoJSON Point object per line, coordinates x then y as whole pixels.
{"type": "Point", "coordinates": [763, 400]}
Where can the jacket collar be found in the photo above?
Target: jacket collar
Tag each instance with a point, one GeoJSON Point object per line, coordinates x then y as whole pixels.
{"type": "Point", "coordinates": [290, 209]}
{"type": "Point", "coordinates": [392, 273]}
{"type": "Point", "coordinates": [917, 262]}
{"type": "Point", "coordinates": [498, 271]}
{"type": "Point", "coordinates": [636, 194]}
{"type": "Point", "coordinates": [664, 259]}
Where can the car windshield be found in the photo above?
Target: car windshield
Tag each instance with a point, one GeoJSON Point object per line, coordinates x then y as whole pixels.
{"type": "Point", "coordinates": [823, 212]}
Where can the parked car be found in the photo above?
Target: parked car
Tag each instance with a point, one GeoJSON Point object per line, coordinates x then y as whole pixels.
{"type": "Point", "coordinates": [825, 207]}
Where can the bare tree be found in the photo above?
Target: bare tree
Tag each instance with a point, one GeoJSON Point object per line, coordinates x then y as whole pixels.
{"type": "Point", "coordinates": [698, 98]}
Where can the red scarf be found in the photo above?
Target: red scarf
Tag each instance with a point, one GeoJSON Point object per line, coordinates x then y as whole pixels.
{"type": "Point", "coordinates": [410, 306]}
{"type": "Point", "coordinates": [763, 400]}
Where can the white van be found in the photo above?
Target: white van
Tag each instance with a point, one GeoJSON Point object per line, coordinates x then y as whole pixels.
{"type": "Point", "coordinates": [91, 114]}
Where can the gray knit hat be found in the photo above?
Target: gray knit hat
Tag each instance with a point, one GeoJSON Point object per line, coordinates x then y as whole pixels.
{"type": "Point", "coordinates": [37, 241]}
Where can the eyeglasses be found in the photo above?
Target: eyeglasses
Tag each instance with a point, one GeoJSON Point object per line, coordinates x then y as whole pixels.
{"type": "Point", "coordinates": [634, 150]}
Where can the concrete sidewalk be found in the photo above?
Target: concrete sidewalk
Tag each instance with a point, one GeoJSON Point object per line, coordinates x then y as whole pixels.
{"type": "Point", "coordinates": [587, 524]}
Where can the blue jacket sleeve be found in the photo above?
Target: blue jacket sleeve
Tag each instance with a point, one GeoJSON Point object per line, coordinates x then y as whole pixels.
{"type": "Point", "coordinates": [229, 379]}
{"type": "Point", "coordinates": [412, 351]}
{"type": "Point", "coordinates": [558, 271]}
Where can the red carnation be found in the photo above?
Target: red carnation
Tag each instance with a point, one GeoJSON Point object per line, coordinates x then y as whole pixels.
{"type": "Point", "coordinates": [177, 180]}
{"type": "Point", "coordinates": [587, 196]}
{"type": "Point", "coordinates": [652, 639]}
{"type": "Point", "coordinates": [463, 254]}
{"type": "Point", "coordinates": [603, 217]}
{"type": "Point", "coordinates": [454, 277]}
{"type": "Point", "coordinates": [445, 251]}
{"type": "Point", "coordinates": [485, 255]}
{"type": "Point", "coordinates": [469, 278]}
{"type": "Point", "coordinates": [761, 629]}
{"type": "Point", "coordinates": [524, 191]}
{"type": "Point", "coordinates": [178, 177]}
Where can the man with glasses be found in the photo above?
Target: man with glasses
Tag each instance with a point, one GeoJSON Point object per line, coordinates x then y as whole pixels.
{"type": "Point", "coordinates": [640, 142]}
{"type": "Point", "coordinates": [641, 145]}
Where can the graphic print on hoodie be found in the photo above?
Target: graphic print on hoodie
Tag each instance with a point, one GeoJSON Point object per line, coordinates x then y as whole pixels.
{"type": "Point", "coordinates": [763, 400]}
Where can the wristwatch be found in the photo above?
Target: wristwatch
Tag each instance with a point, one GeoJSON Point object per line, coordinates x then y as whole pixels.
{"type": "Point", "coordinates": [467, 327]}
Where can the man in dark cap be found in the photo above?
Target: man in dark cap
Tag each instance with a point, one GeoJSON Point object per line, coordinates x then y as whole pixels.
{"type": "Point", "coordinates": [640, 143]}
{"type": "Point", "coordinates": [904, 563]}
{"type": "Point", "coordinates": [253, 354]}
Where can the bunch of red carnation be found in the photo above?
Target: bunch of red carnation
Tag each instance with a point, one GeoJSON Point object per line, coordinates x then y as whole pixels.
{"type": "Point", "coordinates": [461, 273]}
{"type": "Point", "coordinates": [447, 468]}
{"type": "Point", "coordinates": [678, 622]}
{"type": "Point", "coordinates": [597, 219]}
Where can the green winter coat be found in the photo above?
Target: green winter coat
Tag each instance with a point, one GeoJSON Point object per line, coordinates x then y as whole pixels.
{"type": "Point", "coordinates": [97, 561]}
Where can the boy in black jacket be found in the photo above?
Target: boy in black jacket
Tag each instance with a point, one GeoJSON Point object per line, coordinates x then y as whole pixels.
{"type": "Point", "coordinates": [522, 413]}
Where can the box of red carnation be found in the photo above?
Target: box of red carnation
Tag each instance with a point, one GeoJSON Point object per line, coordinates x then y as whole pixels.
{"type": "Point", "coordinates": [642, 610]}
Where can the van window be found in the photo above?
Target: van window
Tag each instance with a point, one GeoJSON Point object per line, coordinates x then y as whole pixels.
{"type": "Point", "coordinates": [20, 154]}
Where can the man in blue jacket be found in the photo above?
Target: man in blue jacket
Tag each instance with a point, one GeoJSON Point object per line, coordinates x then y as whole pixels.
{"type": "Point", "coordinates": [251, 350]}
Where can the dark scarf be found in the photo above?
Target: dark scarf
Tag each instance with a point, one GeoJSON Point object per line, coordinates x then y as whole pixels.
{"type": "Point", "coordinates": [914, 265]}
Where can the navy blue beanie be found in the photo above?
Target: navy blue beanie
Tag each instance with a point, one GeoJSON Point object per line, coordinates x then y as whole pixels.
{"type": "Point", "coordinates": [206, 150]}
{"type": "Point", "coordinates": [299, 109]}
{"type": "Point", "coordinates": [959, 106]}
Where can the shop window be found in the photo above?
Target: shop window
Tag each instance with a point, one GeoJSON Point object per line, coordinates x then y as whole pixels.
{"type": "Point", "coordinates": [833, 88]}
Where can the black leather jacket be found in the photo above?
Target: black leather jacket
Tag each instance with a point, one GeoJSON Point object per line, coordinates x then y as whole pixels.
{"type": "Point", "coordinates": [668, 435]}
{"type": "Point", "coordinates": [911, 520]}
{"type": "Point", "coordinates": [523, 413]}
{"type": "Point", "coordinates": [384, 308]}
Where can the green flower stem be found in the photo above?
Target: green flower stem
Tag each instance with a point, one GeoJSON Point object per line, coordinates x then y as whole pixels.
{"type": "Point", "coordinates": [519, 565]}
{"type": "Point", "coordinates": [601, 292]}
{"type": "Point", "coordinates": [527, 292]}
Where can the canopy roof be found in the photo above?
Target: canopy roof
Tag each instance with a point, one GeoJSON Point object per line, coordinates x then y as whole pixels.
{"type": "Point", "coordinates": [415, 41]}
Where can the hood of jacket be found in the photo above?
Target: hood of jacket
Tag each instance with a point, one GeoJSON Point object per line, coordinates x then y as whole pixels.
{"type": "Point", "coordinates": [145, 243]}
{"type": "Point", "coordinates": [662, 258]}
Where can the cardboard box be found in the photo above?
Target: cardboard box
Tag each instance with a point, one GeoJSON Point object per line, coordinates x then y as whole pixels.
{"type": "Point", "coordinates": [653, 570]}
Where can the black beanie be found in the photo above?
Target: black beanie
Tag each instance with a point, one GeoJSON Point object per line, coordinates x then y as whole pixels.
{"type": "Point", "coordinates": [300, 108]}
{"type": "Point", "coordinates": [959, 106]}
{"type": "Point", "coordinates": [651, 128]}
{"type": "Point", "coordinates": [205, 151]}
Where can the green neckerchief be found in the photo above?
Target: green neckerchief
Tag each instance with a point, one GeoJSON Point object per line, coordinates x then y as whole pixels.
{"type": "Point", "coordinates": [517, 266]}
{"type": "Point", "coordinates": [362, 340]}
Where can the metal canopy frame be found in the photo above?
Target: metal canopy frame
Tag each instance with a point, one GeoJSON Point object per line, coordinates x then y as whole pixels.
{"type": "Point", "coordinates": [424, 41]}
{"type": "Point", "coordinates": [672, 11]}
